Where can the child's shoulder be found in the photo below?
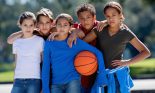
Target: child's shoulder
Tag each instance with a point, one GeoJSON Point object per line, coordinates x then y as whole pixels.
{"type": "Point", "coordinates": [38, 37]}
{"type": "Point", "coordinates": [127, 32]}
{"type": "Point", "coordinates": [79, 41]}
{"type": "Point", "coordinates": [125, 28]}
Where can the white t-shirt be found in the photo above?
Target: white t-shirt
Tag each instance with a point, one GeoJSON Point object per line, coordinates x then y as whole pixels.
{"type": "Point", "coordinates": [28, 57]}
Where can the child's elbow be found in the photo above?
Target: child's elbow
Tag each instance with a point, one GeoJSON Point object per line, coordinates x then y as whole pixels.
{"type": "Point", "coordinates": [147, 53]}
{"type": "Point", "coordinates": [9, 41]}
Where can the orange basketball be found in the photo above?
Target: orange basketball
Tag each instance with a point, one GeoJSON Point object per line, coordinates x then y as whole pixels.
{"type": "Point", "coordinates": [85, 63]}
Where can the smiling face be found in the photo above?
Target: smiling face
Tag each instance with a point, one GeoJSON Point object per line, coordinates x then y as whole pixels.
{"type": "Point", "coordinates": [27, 26]}
{"type": "Point", "coordinates": [86, 19]}
{"type": "Point", "coordinates": [113, 16]}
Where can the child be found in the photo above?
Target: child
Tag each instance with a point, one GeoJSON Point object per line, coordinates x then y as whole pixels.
{"type": "Point", "coordinates": [44, 24]}
{"type": "Point", "coordinates": [112, 42]}
{"type": "Point", "coordinates": [28, 50]}
{"type": "Point", "coordinates": [86, 14]}
{"type": "Point", "coordinates": [65, 79]}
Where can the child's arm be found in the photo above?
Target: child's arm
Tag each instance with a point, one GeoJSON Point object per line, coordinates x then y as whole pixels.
{"type": "Point", "coordinates": [144, 53]}
{"type": "Point", "coordinates": [101, 25]}
{"type": "Point", "coordinates": [90, 36]}
{"type": "Point", "coordinates": [101, 77]}
{"type": "Point", "coordinates": [14, 36]}
{"type": "Point", "coordinates": [46, 68]}
{"type": "Point", "coordinates": [73, 36]}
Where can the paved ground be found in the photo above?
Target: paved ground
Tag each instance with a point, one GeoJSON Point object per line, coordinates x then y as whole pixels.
{"type": "Point", "coordinates": [140, 85]}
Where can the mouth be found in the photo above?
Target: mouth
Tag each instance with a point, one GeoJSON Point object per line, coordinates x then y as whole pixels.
{"type": "Point", "coordinates": [28, 31]}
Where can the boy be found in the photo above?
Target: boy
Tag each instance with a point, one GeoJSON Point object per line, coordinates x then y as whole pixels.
{"type": "Point", "coordinates": [87, 17]}
{"type": "Point", "coordinates": [44, 25]}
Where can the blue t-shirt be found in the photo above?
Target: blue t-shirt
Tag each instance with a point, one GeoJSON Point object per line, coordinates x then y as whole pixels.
{"type": "Point", "coordinates": [59, 57]}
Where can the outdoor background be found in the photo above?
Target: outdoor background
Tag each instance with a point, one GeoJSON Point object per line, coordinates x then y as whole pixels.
{"type": "Point", "coordinates": [139, 17]}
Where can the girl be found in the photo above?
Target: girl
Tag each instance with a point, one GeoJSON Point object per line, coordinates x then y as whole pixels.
{"type": "Point", "coordinates": [60, 57]}
{"type": "Point", "coordinates": [27, 50]}
{"type": "Point", "coordinates": [112, 42]}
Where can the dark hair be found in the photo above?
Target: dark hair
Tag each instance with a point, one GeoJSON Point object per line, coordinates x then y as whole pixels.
{"type": "Point", "coordinates": [26, 15]}
{"type": "Point", "coordinates": [66, 16]}
{"type": "Point", "coordinates": [45, 12]}
{"type": "Point", "coordinates": [113, 4]}
{"type": "Point", "coordinates": [85, 7]}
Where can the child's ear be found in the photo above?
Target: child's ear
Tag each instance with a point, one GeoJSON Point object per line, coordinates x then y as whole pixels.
{"type": "Point", "coordinates": [94, 17]}
{"type": "Point", "coordinates": [122, 17]}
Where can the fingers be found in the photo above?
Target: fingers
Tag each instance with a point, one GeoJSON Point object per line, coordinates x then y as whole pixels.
{"type": "Point", "coordinates": [72, 39]}
{"type": "Point", "coordinates": [100, 27]}
{"type": "Point", "coordinates": [116, 63]}
{"type": "Point", "coordinates": [75, 41]}
{"type": "Point", "coordinates": [52, 36]}
{"type": "Point", "coordinates": [81, 34]}
{"type": "Point", "coordinates": [69, 42]}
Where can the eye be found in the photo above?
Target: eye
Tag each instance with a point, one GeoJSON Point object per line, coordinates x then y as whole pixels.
{"type": "Point", "coordinates": [114, 14]}
{"type": "Point", "coordinates": [58, 25]}
{"type": "Point", "coordinates": [47, 22]}
{"type": "Point", "coordinates": [32, 25]}
{"type": "Point", "coordinates": [65, 25]}
{"type": "Point", "coordinates": [25, 25]}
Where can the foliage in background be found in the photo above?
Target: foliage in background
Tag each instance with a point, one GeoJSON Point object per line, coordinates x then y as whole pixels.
{"type": "Point", "coordinates": [139, 16]}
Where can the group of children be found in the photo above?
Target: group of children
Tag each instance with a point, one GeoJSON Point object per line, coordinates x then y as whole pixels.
{"type": "Point", "coordinates": [58, 74]}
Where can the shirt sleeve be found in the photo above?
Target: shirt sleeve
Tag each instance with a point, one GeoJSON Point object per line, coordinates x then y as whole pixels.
{"type": "Point", "coordinates": [14, 47]}
{"type": "Point", "coordinates": [130, 35]}
{"type": "Point", "coordinates": [46, 68]}
{"type": "Point", "coordinates": [101, 67]}
{"type": "Point", "coordinates": [42, 45]}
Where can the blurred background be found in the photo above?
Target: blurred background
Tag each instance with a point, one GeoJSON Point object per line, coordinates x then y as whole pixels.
{"type": "Point", "coordinates": [139, 17]}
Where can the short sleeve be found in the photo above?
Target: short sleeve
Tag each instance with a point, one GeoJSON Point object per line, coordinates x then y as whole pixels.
{"type": "Point", "coordinates": [14, 47]}
{"type": "Point", "coordinates": [41, 44]}
{"type": "Point", "coordinates": [130, 35]}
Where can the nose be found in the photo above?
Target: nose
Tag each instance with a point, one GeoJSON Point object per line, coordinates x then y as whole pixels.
{"type": "Point", "coordinates": [85, 21]}
{"type": "Point", "coordinates": [44, 26]}
{"type": "Point", "coordinates": [28, 28]}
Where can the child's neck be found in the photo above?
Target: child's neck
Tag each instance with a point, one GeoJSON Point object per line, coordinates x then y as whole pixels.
{"type": "Point", "coordinates": [61, 37]}
{"type": "Point", "coordinates": [114, 29]}
{"type": "Point", "coordinates": [27, 36]}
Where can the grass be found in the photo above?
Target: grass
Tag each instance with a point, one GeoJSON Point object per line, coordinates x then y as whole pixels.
{"type": "Point", "coordinates": [6, 76]}
{"type": "Point", "coordinates": [6, 72]}
{"type": "Point", "coordinates": [146, 68]}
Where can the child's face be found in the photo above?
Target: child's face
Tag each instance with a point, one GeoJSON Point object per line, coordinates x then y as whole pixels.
{"type": "Point", "coordinates": [113, 17]}
{"type": "Point", "coordinates": [45, 24]}
{"type": "Point", "coordinates": [86, 19]}
{"type": "Point", "coordinates": [63, 26]}
{"type": "Point", "coordinates": [27, 26]}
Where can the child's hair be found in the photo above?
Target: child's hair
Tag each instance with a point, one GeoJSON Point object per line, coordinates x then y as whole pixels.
{"type": "Point", "coordinates": [86, 7]}
{"type": "Point", "coordinates": [66, 16]}
{"type": "Point", "coordinates": [26, 15]}
{"type": "Point", "coordinates": [45, 12]}
{"type": "Point", "coordinates": [115, 5]}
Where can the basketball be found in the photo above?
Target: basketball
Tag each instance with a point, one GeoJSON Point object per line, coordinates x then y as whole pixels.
{"type": "Point", "coordinates": [85, 63]}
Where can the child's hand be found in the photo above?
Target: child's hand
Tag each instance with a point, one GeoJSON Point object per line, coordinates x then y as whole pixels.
{"type": "Point", "coordinates": [72, 39]}
{"type": "Point", "coordinates": [52, 36]}
{"type": "Point", "coordinates": [101, 25]}
{"type": "Point", "coordinates": [119, 63]}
